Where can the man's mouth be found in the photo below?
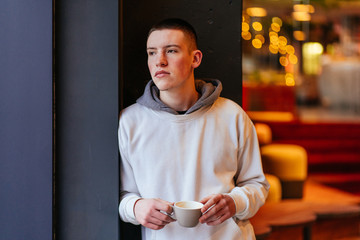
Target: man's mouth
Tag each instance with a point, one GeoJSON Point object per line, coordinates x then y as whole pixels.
{"type": "Point", "coordinates": [161, 73]}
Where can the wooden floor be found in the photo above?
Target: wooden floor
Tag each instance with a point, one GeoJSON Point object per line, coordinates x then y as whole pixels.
{"type": "Point", "coordinates": [322, 214]}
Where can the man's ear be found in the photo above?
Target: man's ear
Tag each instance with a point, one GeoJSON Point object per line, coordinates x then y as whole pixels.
{"type": "Point", "coordinates": [197, 57]}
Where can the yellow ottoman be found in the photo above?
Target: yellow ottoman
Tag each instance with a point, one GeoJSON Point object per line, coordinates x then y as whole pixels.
{"type": "Point", "coordinates": [275, 188]}
{"type": "Point", "coordinates": [289, 163]}
{"type": "Point", "coordinates": [263, 132]}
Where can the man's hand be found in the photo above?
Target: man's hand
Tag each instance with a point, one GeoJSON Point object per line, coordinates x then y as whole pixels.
{"type": "Point", "coordinates": [147, 213]}
{"type": "Point", "coordinates": [217, 208]}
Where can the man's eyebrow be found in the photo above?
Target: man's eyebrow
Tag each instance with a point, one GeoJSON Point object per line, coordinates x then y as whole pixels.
{"type": "Point", "coordinates": [167, 46]}
{"type": "Point", "coordinates": [172, 45]}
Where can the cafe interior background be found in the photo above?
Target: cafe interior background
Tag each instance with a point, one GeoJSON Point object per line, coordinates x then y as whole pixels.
{"type": "Point", "coordinates": [301, 88]}
{"type": "Point", "coordinates": [302, 57]}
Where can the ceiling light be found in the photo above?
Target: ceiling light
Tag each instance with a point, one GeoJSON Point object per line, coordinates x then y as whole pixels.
{"type": "Point", "coordinates": [256, 12]}
{"type": "Point", "coordinates": [301, 16]}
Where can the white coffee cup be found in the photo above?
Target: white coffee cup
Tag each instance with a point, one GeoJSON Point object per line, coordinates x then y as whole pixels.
{"type": "Point", "coordinates": [187, 213]}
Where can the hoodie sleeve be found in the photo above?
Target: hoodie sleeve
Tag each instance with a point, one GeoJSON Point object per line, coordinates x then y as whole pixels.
{"type": "Point", "coordinates": [251, 185]}
{"type": "Point", "coordinates": [129, 193]}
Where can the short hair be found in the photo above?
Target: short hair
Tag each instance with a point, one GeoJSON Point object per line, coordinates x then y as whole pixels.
{"type": "Point", "coordinates": [177, 24]}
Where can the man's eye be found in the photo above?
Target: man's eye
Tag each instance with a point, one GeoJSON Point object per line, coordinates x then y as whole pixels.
{"type": "Point", "coordinates": [171, 51]}
{"type": "Point", "coordinates": [151, 53]}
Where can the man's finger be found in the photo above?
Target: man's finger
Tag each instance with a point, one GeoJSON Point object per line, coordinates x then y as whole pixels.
{"type": "Point", "coordinates": [217, 220]}
{"type": "Point", "coordinates": [211, 201]}
{"type": "Point", "coordinates": [165, 206]}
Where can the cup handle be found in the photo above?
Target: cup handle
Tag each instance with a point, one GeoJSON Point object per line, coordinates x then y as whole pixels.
{"type": "Point", "coordinates": [172, 215]}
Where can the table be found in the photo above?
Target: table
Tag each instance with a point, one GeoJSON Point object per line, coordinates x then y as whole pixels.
{"type": "Point", "coordinates": [322, 207]}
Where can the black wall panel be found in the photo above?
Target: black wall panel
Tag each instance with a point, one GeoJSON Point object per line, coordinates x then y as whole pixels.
{"type": "Point", "coordinates": [218, 24]}
{"type": "Point", "coordinates": [86, 100]}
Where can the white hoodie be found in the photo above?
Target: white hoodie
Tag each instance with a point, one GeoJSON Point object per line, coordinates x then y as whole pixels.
{"type": "Point", "coordinates": [212, 149]}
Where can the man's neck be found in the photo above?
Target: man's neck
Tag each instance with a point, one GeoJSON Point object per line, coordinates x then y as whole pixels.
{"type": "Point", "coordinates": [179, 101]}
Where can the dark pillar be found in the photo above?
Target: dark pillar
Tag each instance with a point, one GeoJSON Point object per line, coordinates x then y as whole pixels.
{"type": "Point", "coordinates": [25, 119]}
{"type": "Point", "coordinates": [86, 100]}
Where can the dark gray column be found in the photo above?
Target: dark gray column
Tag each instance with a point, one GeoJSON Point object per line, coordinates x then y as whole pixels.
{"type": "Point", "coordinates": [86, 88]}
{"type": "Point", "coordinates": [25, 120]}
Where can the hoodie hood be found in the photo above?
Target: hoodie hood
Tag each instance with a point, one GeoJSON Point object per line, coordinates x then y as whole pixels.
{"type": "Point", "coordinates": [209, 90]}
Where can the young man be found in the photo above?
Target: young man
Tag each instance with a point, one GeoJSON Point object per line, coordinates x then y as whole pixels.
{"type": "Point", "coordinates": [182, 141]}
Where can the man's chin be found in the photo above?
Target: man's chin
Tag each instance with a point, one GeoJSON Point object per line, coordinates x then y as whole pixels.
{"type": "Point", "coordinates": [161, 85]}
{"type": "Point", "coordinates": [163, 89]}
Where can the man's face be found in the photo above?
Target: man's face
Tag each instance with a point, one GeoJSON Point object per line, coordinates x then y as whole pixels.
{"type": "Point", "coordinates": [170, 60]}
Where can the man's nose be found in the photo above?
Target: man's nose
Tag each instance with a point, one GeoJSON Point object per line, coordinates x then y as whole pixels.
{"type": "Point", "coordinates": [161, 60]}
